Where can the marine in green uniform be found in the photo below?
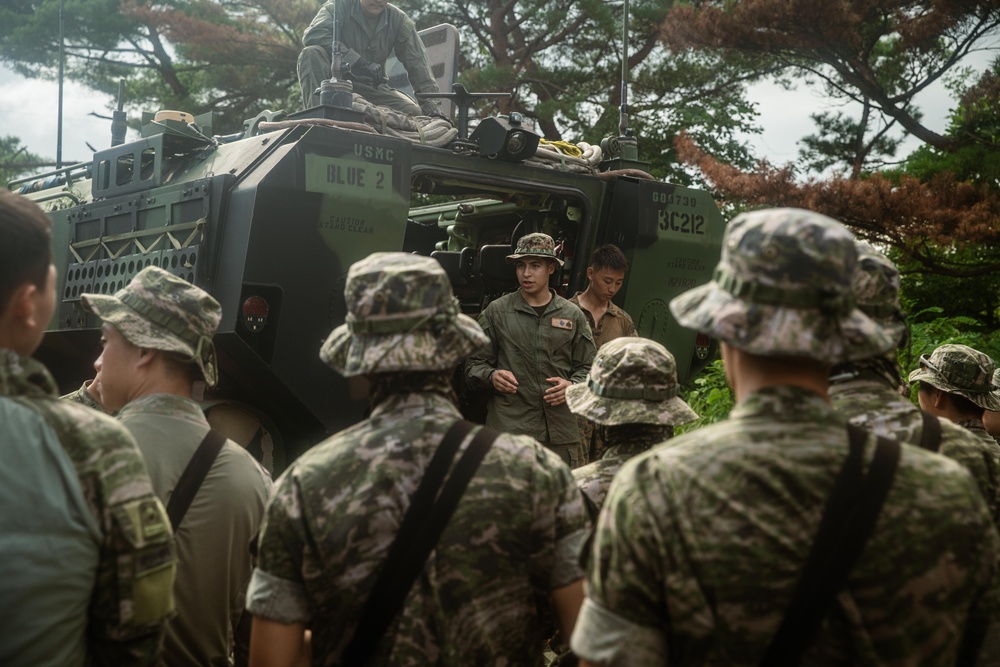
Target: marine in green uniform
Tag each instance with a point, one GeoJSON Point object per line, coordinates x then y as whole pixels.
{"type": "Point", "coordinates": [370, 31]}
{"type": "Point", "coordinates": [157, 342]}
{"type": "Point", "coordinates": [539, 344]}
{"type": "Point", "coordinates": [86, 546]}
{"type": "Point", "coordinates": [701, 543]}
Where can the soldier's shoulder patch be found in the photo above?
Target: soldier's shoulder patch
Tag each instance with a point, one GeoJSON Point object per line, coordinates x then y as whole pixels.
{"type": "Point", "coordinates": [562, 323]}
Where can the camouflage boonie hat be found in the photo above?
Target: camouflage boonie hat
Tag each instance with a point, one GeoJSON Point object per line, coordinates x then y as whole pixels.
{"type": "Point", "coordinates": [961, 370]}
{"type": "Point", "coordinates": [159, 311]}
{"type": "Point", "coordinates": [996, 384]}
{"type": "Point", "coordinates": [402, 316]}
{"type": "Point", "coordinates": [876, 290]}
{"type": "Point", "coordinates": [632, 381]}
{"type": "Point", "coordinates": [535, 245]}
{"type": "Point", "coordinates": [783, 287]}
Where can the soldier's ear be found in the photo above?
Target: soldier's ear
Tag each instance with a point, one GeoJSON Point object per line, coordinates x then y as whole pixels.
{"type": "Point", "coordinates": [23, 305]}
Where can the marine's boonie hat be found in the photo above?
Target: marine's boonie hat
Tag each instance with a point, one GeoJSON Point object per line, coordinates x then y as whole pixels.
{"type": "Point", "coordinates": [632, 381]}
{"type": "Point", "coordinates": [159, 311]}
{"type": "Point", "coordinates": [784, 287]}
{"type": "Point", "coordinates": [402, 316]}
{"type": "Point", "coordinates": [996, 384]}
{"type": "Point", "coordinates": [876, 290]}
{"type": "Point", "coordinates": [535, 245]}
{"type": "Point", "coordinates": [961, 370]}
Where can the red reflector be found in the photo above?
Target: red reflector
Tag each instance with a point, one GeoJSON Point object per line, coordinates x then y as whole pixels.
{"type": "Point", "coordinates": [702, 340]}
{"type": "Point", "coordinates": [255, 306]}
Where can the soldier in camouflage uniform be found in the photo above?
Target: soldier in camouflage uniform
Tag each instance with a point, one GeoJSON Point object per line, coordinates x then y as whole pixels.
{"type": "Point", "coordinates": [85, 543]}
{"type": "Point", "coordinates": [991, 418]}
{"type": "Point", "coordinates": [512, 542]}
{"type": "Point", "coordinates": [701, 543]}
{"type": "Point", "coordinates": [956, 382]}
{"type": "Point", "coordinates": [157, 342]}
{"type": "Point", "coordinates": [539, 344]}
{"type": "Point", "coordinates": [870, 392]}
{"type": "Point", "coordinates": [631, 394]}
{"type": "Point", "coordinates": [370, 31]}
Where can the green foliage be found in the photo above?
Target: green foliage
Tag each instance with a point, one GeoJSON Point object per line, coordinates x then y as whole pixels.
{"type": "Point", "coordinates": [976, 298]}
{"type": "Point", "coordinates": [709, 395]}
{"type": "Point", "coordinates": [15, 160]}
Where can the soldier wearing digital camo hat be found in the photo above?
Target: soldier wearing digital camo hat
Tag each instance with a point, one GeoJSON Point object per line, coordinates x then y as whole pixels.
{"type": "Point", "coordinates": [515, 534]}
{"type": "Point", "coordinates": [868, 391]}
{"type": "Point", "coordinates": [157, 341]}
{"type": "Point", "coordinates": [632, 393]}
{"type": "Point", "coordinates": [701, 542]}
{"type": "Point", "coordinates": [991, 418]}
{"type": "Point", "coordinates": [956, 382]}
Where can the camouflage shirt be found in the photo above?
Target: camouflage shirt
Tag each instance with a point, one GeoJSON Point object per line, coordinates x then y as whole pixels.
{"type": "Point", "coordinates": [624, 442]}
{"type": "Point", "coordinates": [79, 525]}
{"type": "Point", "coordinates": [867, 401]}
{"type": "Point", "coordinates": [514, 537]}
{"type": "Point", "coordinates": [701, 543]}
{"type": "Point", "coordinates": [556, 344]}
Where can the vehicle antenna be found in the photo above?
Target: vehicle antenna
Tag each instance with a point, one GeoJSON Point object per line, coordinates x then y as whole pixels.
{"type": "Point", "coordinates": [119, 126]}
{"type": "Point", "coordinates": [623, 117]}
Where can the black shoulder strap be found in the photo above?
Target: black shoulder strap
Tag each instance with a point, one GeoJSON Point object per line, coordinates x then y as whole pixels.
{"type": "Point", "coordinates": [418, 535]}
{"type": "Point", "coordinates": [192, 477]}
{"type": "Point", "coordinates": [930, 436]}
{"type": "Point", "coordinates": [848, 522]}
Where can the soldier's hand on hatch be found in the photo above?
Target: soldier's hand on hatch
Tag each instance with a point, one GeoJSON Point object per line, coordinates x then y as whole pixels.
{"type": "Point", "coordinates": [504, 381]}
{"type": "Point", "coordinates": [556, 395]}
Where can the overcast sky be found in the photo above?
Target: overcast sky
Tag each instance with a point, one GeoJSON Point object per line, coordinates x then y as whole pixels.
{"type": "Point", "coordinates": [29, 110]}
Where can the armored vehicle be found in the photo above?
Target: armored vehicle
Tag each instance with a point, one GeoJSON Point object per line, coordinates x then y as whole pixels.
{"type": "Point", "coordinates": [269, 222]}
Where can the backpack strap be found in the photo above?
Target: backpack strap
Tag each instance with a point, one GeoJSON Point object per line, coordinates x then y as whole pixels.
{"type": "Point", "coordinates": [418, 534]}
{"type": "Point", "coordinates": [930, 436]}
{"type": "Point", "coordinates": [192, 477]}
{"type": "Point", "coordinates": [849, 519]}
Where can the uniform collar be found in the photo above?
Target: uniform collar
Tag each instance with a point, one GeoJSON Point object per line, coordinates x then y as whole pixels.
{"type": "Point", "coordinates": [24, 376]}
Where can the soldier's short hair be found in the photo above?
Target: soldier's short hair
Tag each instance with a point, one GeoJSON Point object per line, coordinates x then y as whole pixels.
{"type": "Point", "coordinates": [26, 246]}
{"type": "Point", "coordinates": [608, 256]}
{"type": "Point", "coordinates": [962, 405]}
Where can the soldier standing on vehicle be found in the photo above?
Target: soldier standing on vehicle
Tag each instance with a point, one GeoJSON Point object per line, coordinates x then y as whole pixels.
{"type": "Point", "coordinates": [870, 392]}
{"type": "Point", "coordinates": [511, 543]}
{"type": "Point", "coordinates": [85, 543]}
{"type": "Point", "coordinates": [539, 344]}
{"type": "Point", "coordinates": [157, 342]}
{"type": "Point", "coordinates": [956, 382]}
{"type": "Point", "coordinates": [370, 31]}
{"type": "Point", "coordinates": [702, 544]}
{"type": "Point", "coordinates": [606, 274]}
{"type": "Point", "coordinates": [631, 394]}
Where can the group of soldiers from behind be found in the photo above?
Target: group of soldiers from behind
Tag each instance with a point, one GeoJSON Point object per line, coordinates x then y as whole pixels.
{"type": "Point", "coordinates": [700, 541]}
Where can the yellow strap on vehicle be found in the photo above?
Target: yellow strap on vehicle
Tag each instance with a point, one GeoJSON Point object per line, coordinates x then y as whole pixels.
{"type": "Point", "coordinates": [565, 147]}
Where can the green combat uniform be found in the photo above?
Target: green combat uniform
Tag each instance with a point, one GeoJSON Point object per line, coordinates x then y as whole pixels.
{"type": "Point", "coordinates": [513, 538]}
{"type": "Point", "coordinates": [556, 343]}
{"type": "Point", "coordinates": [866, 392]}
{"type": "Point", "coordinates": [631, 390]}
{"type": "Point", "coordinates": [374, 41]}
{"type": "Point", "coordinates": [159, 311]}
{"type": "Point", "coordinates": [85, 543]}
{"type": "Point", "coordinates": [701, 544]}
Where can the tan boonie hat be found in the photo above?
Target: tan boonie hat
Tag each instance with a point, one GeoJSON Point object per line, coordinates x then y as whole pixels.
{"type": "Point", "coordinates": [159, 311]}
{"type": "Point", "coordinates": [402, 316]}
{"type": "Point", "coordinates": [632, 381]}
{"type": "Point", "coordinates": [961, 370]}
{"type": "Point", "coordinates": [784, 287]}
{"type": "Point", "coordinates": [876, 290]}
{"type": "Point", "coordinates": [535, 245]}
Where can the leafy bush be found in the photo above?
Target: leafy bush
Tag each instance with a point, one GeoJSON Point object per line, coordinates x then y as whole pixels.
{"type": "Point", "coordinates": [709, 395]}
